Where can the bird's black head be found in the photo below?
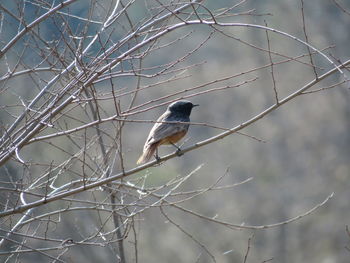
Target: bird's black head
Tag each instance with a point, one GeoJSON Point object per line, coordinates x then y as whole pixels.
{"type": "Point", "coordinates": [182, 106]}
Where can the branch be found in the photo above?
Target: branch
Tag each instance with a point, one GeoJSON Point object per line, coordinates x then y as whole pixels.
{"type": "Point", "coordinates": [31, 25]}
{"type": "Point", "coordinates": [140, 168]}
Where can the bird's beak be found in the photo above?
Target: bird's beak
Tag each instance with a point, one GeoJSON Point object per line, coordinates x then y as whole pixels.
{"type": "Point", "coordinates": [195, 105]}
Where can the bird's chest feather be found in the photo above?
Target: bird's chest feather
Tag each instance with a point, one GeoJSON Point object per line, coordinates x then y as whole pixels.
{"type": "Point", "coordinates": [174, 138]}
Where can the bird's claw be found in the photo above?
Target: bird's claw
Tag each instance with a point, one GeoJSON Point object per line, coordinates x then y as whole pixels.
{"type": "Point", "coordinates": [179, 152]}
{"type": "Point", "coordinates": [157, 158]}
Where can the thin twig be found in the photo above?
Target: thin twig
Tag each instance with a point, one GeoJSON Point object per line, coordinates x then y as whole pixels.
{"type": "Point", "coordinates": [187, 234]}
{"type": "Point", "coordinates": [307, 38]}
{"type": "Point", "coordinates": [272, 68]}
{"type": "Point", "coordinates": [248, 249]}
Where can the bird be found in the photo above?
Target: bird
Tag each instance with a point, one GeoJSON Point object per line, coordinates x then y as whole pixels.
{"type": "Point", "coordinates": [164, 132]}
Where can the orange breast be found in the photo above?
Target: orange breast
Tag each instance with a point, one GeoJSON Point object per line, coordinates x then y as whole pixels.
{"type": "Point", "coordinates": [173, 138]}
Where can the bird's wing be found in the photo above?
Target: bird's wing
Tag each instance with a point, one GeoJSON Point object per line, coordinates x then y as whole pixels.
{"type": "Point", "coordinates": [162, 130]}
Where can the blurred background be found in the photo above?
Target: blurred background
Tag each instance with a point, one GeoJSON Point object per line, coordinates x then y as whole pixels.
{"type": "Point", "coordinates": [300, 158]}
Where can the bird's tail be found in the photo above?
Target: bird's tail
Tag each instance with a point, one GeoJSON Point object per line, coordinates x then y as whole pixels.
{"type": "Point", "coordinates": [147, 153]}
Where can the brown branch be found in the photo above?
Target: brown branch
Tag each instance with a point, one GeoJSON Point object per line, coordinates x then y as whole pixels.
{"type": "Point", "coordinates": [341, 8]}
{"type": "Point", "coordinates": [248, 249]}
{"type": "Point", "coordinates": [23, 208]}
{"type": "Point", "coordinates": [187, 234]}
{"type": "Point", "coordinates": [307, 38]}
{"type": "Point", "coordinates": [31, 25]}
{"type": "Point", "coordinates": [272, 68]}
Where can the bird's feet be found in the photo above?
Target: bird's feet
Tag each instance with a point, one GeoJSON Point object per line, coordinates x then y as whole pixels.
{"type": "Point", "coordinates": [157, 158]}
{"type": "Point", "coordinates": [179, 151]}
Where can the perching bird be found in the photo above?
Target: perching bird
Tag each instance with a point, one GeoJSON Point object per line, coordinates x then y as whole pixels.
{"type": "Point", "coordinates": [164, 132]}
